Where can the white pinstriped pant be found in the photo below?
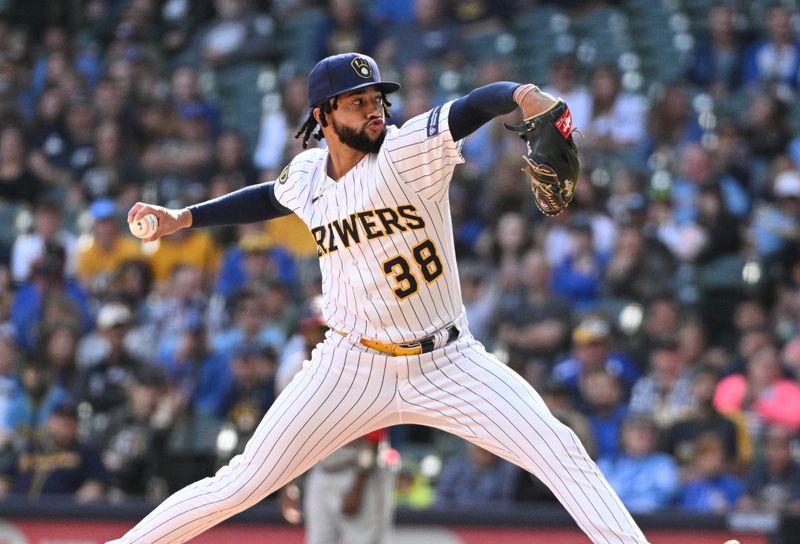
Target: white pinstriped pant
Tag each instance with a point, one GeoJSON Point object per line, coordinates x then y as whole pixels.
{"type": "Point", "coordinates": [347, 390]}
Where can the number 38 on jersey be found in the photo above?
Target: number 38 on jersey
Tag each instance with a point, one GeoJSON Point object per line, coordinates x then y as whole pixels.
{"type": "Point", "coordinates": [426, 262]}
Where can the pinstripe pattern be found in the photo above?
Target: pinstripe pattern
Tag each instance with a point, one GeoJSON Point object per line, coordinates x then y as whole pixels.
{"type": "Point", "coordinates": [411, 169]}
{"type": "Point", "coordinates": [506, 416]}
{"type": "Point", "coordinates": [347, 390]}
{"type": "Point", "coordinates": [333, 400]}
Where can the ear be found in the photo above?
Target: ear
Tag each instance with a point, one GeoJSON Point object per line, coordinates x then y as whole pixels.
{"type": "Point", "coordinates": [315, 113]}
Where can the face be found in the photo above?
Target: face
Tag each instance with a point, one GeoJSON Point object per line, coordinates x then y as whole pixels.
{"type": "Point", "coordinates": [777, 446]}
{"type": "Point", "coordinates": [8, 355]}
{"type": "Point", "coordinates": [720, 19]}
{"type": "Point", "coordinates": [249, 314]}
{"type": "Point", "coordinates": [764, 367]}
{"type": "Point", "coordinates": [751, 342]}
{"type": "Point", "coordinates": [61, 347]}
{"type": "Point", "coordinates": [779, 23]}
{"type": "Point", "coordinates": [591, 354]}
{"type": "Point", "coordinates": [107, 97]}
{"type": "Point", "coordinates": [63, 429]}
{"type": "Point", "coordinates": [562, 74]}
{"type": "Point", "coordinates": [511, 231]}
{"type": "Point", "coordinates": [750, 315]}
{"type": "Point", "coordinates": [358, 120]}
{"type": "Point", "coordinates": [228, 9]}
{"type": "Point", "coordinates": [11, 144]}
{"type": "Point", "coordinates": [116, 336]}
{"type": "Point", "coordinates": [696, 164]}
{"type": "Point", "coordinates": [601, 390]}
{"type": "Point", "coordinates": [667, 362]}
{"type": "Point", "coordinates": [80, 119]}
{"type": "Point", "coordinates": [245, 369]}
{"type": "Point", "coordinates": [536, 271]}
{"type": "Point", "coordinates": [703, 387]}
{"type": "Point", "coordinates": [691, 339]}
{"type": "Point", "coordinates": [638, 439]}
{"type": "Point", "coordinates": [51, 104]}
{"type": "Point", "coordinates": [662, 318]}
{"type": "Point", "coordinates": [184, 83]}
{"type": "Point", "coordinates": [230, 149]}
{"type": "Point", "coordinates": [711, 462]}
{"type": "Point", "coordinates": [104, 230]}
{"type": "Point", "coordinates": [605, 84]}
{"type": "Point", "coordinates": [630, 242]}
{"type": "Point", "coordinates": [144, 398]}
{"type": "Point", "coordinates": [108, 140]}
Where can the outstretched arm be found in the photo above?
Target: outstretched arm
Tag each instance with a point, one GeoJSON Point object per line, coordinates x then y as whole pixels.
{"type": "Point", "coordinates": [483, 104]}
{"type": "Point", "coordinates": [247, 205]}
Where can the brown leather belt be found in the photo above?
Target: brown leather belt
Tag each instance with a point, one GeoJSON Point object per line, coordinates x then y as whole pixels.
{"type": "Point", "coordinates": [425, 345]}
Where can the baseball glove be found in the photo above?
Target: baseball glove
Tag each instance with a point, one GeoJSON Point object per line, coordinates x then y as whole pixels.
{"type": "Point", "coordinates": [552, 159]}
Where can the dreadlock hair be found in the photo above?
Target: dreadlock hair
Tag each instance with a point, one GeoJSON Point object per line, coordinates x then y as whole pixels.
{"type": "Point", "coordinates": [311, 123]}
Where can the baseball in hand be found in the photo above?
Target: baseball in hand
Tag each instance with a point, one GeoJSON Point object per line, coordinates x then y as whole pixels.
{"type": "Point", "coordinates": [144, 227]}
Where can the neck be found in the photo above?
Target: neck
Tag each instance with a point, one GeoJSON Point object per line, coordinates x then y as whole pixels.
{"type": "Point", "coordinates": [341, 158]}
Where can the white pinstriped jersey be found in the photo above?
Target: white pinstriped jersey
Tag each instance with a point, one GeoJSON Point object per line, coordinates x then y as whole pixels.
{"type": "Point", "coordinates": [383, 231]}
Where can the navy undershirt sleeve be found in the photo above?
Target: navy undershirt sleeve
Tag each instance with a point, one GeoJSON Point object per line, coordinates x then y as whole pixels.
{"type": "Point", "coordinates": [247, 205]}
{"type": "Point", "coordinates": [470, 112]}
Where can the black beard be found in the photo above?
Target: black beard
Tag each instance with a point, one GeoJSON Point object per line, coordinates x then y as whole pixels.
{"type": "Point", "coordinates": [358, 139]}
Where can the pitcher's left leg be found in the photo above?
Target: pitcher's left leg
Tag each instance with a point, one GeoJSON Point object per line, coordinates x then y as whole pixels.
{"type": "Point", "coordinates": [466, 391]}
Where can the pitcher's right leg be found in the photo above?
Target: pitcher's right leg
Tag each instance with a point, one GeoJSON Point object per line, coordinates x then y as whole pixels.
{"type": "Point", "coordinates": [338, 396]}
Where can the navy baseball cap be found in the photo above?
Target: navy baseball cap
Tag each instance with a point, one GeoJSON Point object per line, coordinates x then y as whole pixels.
{"type": "Point", "coordinates": [344, 73]}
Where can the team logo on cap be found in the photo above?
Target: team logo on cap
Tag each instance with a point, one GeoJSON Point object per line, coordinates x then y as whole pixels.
{"type": "Point", "coordinates": [362, 67]}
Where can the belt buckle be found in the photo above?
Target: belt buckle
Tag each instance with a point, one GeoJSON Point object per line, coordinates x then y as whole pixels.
{"type": "Point", "coordinates": [428, 344]}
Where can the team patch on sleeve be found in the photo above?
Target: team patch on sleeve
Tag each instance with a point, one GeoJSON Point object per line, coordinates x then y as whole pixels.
{"type": "Point", "coordinates": [284, 175]}
{"type": "Point", "coordinates": [433, 121]}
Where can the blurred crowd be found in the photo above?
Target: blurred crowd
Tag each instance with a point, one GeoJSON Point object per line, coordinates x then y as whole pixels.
{"type": "Point", "coordinates": [659, 316]}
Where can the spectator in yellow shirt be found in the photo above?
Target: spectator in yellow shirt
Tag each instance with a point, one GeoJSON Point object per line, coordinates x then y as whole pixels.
{"type": "Point", "coordinates": [102, 252]}
{"type": "Point", "coordinates": [195, 248]}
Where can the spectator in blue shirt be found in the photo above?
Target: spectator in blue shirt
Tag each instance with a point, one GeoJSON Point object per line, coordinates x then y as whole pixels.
{"type": "Point", "coordinates": [644, 479]}
{"type": "Point", "coordinates": [255, 259]}
{"type": "Point", "coordinates": [717, 60]}
{"type": "Point", "coordinates": [476, 479]}
{"type": "Point", "coordinates": [579, 277]}
{"type": "Point", "coordinates": [47, 286]}
{"type": "Point", "coordinates": [606, 409]}
{"type": "Point", "coordinates": [250, 324]}
{"type": "Point", "coordinates": [197, 376]}
{"type": "Point", "coordinates": [775, 225]}
{"type": "Point", "coordinates": [776, 59]}
{"type": "Point", "coordinates": [699, 171]}
{"type": "Point", "coordinates": [592, 350]}
{"type": "Point", "coordinates": [430, 36]}
{"type": "Point", "coordinates": [32, 401]}
{"type": "Point", "coordinates": [711, 487]}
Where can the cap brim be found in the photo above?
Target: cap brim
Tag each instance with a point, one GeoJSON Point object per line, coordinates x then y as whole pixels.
{"type": "Point", "coordinates": [386, 87]}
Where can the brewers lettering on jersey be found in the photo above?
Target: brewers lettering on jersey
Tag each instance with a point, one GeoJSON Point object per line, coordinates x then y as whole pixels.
{"type": "Point", "coordinates": [399, 348]}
